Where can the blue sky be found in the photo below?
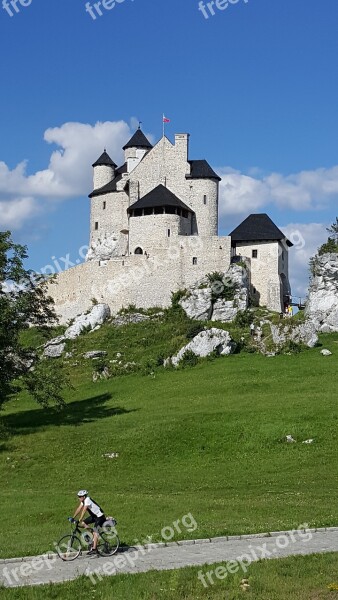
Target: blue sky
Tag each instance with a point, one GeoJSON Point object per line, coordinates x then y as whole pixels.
{"type": "Point", "coordinates": [256, 86]}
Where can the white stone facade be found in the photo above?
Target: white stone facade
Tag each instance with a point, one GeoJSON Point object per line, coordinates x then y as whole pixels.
{"type": "Point", "coordinates": [141, 255]}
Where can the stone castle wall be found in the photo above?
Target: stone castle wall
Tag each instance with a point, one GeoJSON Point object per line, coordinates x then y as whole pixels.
{"type": "Point", "coordinates": [138, 279]}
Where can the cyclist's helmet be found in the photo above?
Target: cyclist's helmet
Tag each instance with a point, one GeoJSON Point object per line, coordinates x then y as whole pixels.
{"type": "Point", "coordinates": [82, 493]}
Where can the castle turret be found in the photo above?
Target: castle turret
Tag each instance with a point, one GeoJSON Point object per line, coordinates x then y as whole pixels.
{"type": "Point", "coordinates": [136, 148]}
{"type": "Point", "coordinates": [104, 170]}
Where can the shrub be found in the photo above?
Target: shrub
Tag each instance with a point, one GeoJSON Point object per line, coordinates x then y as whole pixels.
{"type": "Point", "coordinates": [189, 359]}
{"type": "Point", "coordinates": [243, 319]}
{"type": "Point", "coordinates": [177, 296]}
{"type": "Point", "coordinates": [221, 286]}
{"type": "Point", "coordinates": [194, 329]}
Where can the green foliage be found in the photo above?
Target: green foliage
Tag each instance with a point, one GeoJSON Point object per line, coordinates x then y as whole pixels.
{"type": "Point", "coordinates": [177, 296]}
{"type": "Point", "coordinates": [244, 318]}
{"type": "Point", "coordinates": [48, 382]}
{"type": "Point", "coordinates": [189, 359]}
{"type": "Point", "coordinates": [193, 329]}
{"type": "Point", "coordinates": [23, 303]}
{"type": "Point", "coordinates": [222, 287]}
{"type": "Point", "coordinates": [330, 246]}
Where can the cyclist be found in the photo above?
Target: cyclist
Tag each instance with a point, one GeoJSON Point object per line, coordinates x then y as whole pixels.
{"type": "Point", "coordinates": [96, 516]}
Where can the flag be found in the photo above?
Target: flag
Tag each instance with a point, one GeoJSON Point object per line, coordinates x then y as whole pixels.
{"type": "Point", "coordinates": [165, 120]}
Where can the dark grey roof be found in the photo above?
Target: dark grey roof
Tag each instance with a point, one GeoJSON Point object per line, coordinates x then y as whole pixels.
{"type": "Point", "coordinates": [111, 186]}
{"type": "Point", "coordinates": [104, 160]}
{"type": "Point", "coordinates": [200, 169]}
{"type": "Point", "coordinates": [257, 227]}
{"type": "Point", "coordinates": [159, 196]}
{"type": "Point", "coordinates": [138, 140]}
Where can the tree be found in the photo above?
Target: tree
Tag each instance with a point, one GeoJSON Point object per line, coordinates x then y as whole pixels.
{"type": "Point", "coordinates": [331, 245]}
{"type": "Point", "coordinates": [24, 303]}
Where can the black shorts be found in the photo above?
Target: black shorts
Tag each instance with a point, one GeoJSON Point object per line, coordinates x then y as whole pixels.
{"type": "Point", "coordinates": [98, 521]}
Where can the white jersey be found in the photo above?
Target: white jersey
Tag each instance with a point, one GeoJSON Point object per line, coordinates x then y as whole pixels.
{"type": "Point", "coordinates": [93, 508]}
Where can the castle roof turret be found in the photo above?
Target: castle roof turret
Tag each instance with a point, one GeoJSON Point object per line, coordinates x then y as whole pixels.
{"type": "Point", "coordinates": [104, 160]}
{"type": "Point", "coordinates": [257, 227]}
{"type": "Point", "coordinates": [138, 140]}
{"type": "Point", "coordinates": [159, 196]}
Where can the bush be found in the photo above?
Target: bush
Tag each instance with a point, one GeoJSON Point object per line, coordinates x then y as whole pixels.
{"type": "Point", "coordinates": [243, 319]}
{"type": "Point", "coordinates": [194, 329]}
{"type": "Point", "coordinates": [189, 359]}
{"type": "Point", "coordinates": [222, 287]}
{"type": "Point", "coordinates": [176, 297]}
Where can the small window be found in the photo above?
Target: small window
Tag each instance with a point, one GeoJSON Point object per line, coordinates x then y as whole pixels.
{"type": "Point", "coordinates": [254, 290]}
{"type": "Point", "coordinates": [283, 255]}
{"type": "Point", "coordinates": [96, 225]}
{"type": "Point", "coordinates": [104, 205]}
{"type": "Point", "coordinates": [254, 253]}
{"type": "Point", "coordinates": [138, 250]}
{"type": "Point", "coordinates": [194, 260]}
{"type": "Point", "coordinates": [168, 232]}
{"type": "Point", "coordinates": [204, 199]}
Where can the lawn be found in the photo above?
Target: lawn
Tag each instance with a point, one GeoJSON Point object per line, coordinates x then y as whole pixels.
{"type": "Point", "coordinates": [207, 440]}
{"type": "Point", "coordinates": [298, 578]}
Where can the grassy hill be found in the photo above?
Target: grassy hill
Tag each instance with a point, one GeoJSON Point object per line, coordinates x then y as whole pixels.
{"type": "Point", "coordinates": [207, 440]}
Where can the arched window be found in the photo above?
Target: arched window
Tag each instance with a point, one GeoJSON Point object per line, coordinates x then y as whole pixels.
{"type": "Point", "coordinates": [138, 250]}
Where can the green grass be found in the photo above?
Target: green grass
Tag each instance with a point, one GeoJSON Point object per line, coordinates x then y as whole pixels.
{"type": "Point", "coordinates": [206, 440]}
{"type": "Point", "coordinates": [297, 578]}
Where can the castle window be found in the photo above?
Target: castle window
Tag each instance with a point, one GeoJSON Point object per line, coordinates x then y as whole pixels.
{"type": "Point", "coordinates": [185, 214]}
{"type": "Point", "coordinates": [194, 260]}
{"type": "Point", "coordinates": [148, 211]}
{"type": "Point", "coordinates": [158, 210]}
{"type": "Point", "coordinates": [96, 226]}
{"type": "Point", "coordinates": [138, 250]}
{"type": "Point", "coordinates": [283, 255]}
{"type": "Point", "coordinates": [204, 199]}
{"type": "Point", "coordinates": [104, 205]}
{"type": "Point", "coordinates": [168, 232]}
{"type": "Point", "coordinates": [254, 254]}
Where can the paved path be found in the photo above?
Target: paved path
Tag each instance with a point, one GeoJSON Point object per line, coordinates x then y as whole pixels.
{"type": "Point", "coordinates": [49, 568]}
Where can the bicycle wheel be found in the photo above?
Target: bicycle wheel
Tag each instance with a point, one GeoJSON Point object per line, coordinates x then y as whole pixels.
{"type": "Point", "coordinates": [108, 543]}
{"type": "Point", "coordinates": [69, 547]}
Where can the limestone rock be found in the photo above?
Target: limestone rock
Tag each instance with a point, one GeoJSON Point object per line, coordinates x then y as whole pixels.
{"type": "Point", "coordinates": [326, 352]}
{"type": "Point", "coordinates": [95, 354]}
{"type": "Point", "coordinates": [224, 311]}
{"type": "Point", "coordinates": [54, 350]}
{"type": "Point", "coordinates": [322, 304]}
{"type": "Point", "coordinates": [121, 320]}
{"type": "Point", "coordinates": [97, 315]}
{"type": "Point", "coordinates": [105, 248]}
{"type": "Point", "coordinates": [305, 333]}
{"type": "Point", "coordinates": [207, 342]}
{"type": "Point", "coordinates": [198, 304]}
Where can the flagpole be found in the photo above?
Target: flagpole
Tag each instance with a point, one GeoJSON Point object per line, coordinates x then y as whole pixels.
{"type": "Point", "coordinates": [163, 123]}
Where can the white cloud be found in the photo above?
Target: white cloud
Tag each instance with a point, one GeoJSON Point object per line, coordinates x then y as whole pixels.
{"type": "Point", "coordinates": [23, 195]}
{"type": "Point", "coordinates": [306, 239]}
{"type": "Point", "coordinates": [308, 190]}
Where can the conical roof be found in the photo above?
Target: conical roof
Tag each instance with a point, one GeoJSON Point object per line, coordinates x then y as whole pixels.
{"type": "Point", "coordinates": [138, 140]}
{"type": "Point", "coordinates": [104, 160]}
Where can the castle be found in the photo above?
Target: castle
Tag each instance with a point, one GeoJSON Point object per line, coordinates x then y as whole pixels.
{"type": "Point", "coordinates": [154, 230]}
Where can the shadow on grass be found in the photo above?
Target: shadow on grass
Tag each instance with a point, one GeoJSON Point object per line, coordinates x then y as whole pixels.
{"type": "Point", "coordinates": [76, 414]}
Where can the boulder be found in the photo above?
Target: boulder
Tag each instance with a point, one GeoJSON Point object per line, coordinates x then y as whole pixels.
{"type": "Point", "coordinates": [95, 354]}
{"type": "Point", "coordinates": [305, 333]}
{"type": "Point", "coordinates": [326, 352]}
{"type": "Point", "coordinates": [54, 350]}
{"type": "Point", "coordinates": [197, 304]}
{"type": "Point", "coordinates": [96, 316]}
{"type": "Point", "coordinates": [121, 320]}
{"type": "Point", "coordinates": [205, 343]}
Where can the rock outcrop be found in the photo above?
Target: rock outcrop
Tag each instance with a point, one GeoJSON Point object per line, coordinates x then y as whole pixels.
{"type": "Point", "coordinates": [89, 321]}
{"type": "Point", "coordinates": [322, 304]}
{"type": "Point", "coordinates": [205, 300]}
{"type": "Point", "coordinates": [105, 248]}
{"type": "Point", "coordinates": [205, 343]}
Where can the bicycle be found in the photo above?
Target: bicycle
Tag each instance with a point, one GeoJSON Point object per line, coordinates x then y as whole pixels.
{"type": "Point", "coordinates": [70, 546]}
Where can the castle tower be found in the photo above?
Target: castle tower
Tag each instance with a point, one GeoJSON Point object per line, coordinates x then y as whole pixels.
{"type": "Point", "coordinates": [104, 170]}
{"type": "Point", "coordinates": [204, 187]}
{"type": "Point", "coordinates": [135, 149]}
